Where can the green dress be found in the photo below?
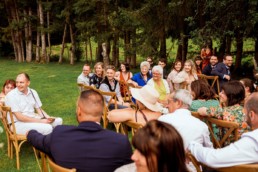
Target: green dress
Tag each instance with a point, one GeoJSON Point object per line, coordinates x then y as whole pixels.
{"type": "Point", "coordinates": [196, 104]}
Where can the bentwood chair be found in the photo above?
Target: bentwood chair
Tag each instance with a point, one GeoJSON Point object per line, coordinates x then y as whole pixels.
{"type": "Point", "coordinates": [227, 129]}
{"type": "Point", "coordinates": [213, 80]}
{"type": "Point", "coordinates": [13, 140]}
{"type": "Point", "coordinates": [134, 126]}
{"type": "Point", "coordinates": [57, 168]}
{"type": "Point", "coordinates": [83, 87]}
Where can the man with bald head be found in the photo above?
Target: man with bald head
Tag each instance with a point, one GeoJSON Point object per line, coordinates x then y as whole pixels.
{"type": "Point", "coordinates": [243, 151]}
{"type": "Point", "coordinates": [86, 147]}
{"type": "Point", "coordinates": [23, 102]}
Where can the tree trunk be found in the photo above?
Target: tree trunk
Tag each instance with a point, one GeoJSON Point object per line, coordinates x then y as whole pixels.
{"type": "Point", "coordinates": [127, 39]}
{"type": "Point", "coordinates": [222, 48]}
{"type": "Point", "coordinates": [115, 57]}
{"type": "Point", "coordinates": [86, 50]}
{"type": "Point", "coordinates": [38, 47]}
{"type": "Point", "coordinates": [256, 50]}
{"type": "Point", "coordinates": [63, 45]}
{"type": "Point", "coordinates": [184, 47]}
{"type": "Point", "coordinates": [90, 50]}
{"type": "Point", "coordinates": [48, 37]}
{"type": "Point", "coordinates": [105, 54]}
{"type": "Point", "coordinates": [99, 57]}
{"type": "Point", "coordinates": [28, 34]}
{"type": "Point", "coordinates": [133, 59]}
{"type": "Point", "coordinates": [43, 36]}
{"type": "Point", "coordinates": [228, 44]}
{"type": "Point", "coordinates": [72, 45]}
{"type": "Point", "coordinates": [239, 46]}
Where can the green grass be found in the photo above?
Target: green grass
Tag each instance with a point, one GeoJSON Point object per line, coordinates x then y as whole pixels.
{"type": "Point", "coordinates": [56, 86]}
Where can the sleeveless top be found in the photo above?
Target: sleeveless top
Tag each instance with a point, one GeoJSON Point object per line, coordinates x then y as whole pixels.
{"type": "Point", "coordinates": [123, 88]}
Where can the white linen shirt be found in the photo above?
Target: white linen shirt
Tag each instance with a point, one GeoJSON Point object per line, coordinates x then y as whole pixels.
{"type": "Point", "coordinates": [189, 127]}
{"type": "Point", "coordinates": [243, 151]}
{"type": "Point", "coordinates": [82, 79]}
{"type": "Point", "coordinates": [25, 104]}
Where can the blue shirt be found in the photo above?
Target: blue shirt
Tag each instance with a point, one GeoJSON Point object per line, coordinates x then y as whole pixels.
{"type": "Point", "coordinates": [139, 79]}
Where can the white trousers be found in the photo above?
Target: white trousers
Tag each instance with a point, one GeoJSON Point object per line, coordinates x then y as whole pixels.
{"type": "Point", "coordinates": [24, 127]}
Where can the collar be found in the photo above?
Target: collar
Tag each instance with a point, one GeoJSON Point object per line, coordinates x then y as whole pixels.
{"type": "Point", "coordinates": [90, 125]}
{"type": "Point", "coordinates": [21, 93]}
{"type": "Point", "coordinates": [181, 112]}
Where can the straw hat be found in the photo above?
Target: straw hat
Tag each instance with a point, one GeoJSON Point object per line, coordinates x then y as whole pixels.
{"type": "Point", "coordinates": [148, 96]}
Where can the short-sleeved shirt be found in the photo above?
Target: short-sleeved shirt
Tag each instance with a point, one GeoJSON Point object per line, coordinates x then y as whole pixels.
{"type": "Point", "coordinates": [20, 102]}
{"type": "Point", "coordinates": [139, 79]}
{"type": "Point", "coordinates": [104, 87]}
{"type": "Point", "coordinates": [84, 79]}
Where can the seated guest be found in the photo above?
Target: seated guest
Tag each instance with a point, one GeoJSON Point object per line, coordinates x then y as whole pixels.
{"type": "Point", "coordinates": [208, 68]}
{"type": "Point", "coordinates": [203, 95]}
{"type": "Point", "coordinates": [158, 148]}
{"type": "Point", "coordinates": [206, 53]}
{"type": "Point", "coordinates": [147, 107]}
{"type": "Point", "coordinates": [7, 87]}
{"type": "Point", "coordinates": [159, 84]}
{"type": "Point", "coordinates": [149, 59]}
{"type": "Point", "coordinates": [198, 64]}
{"type": "Point", "coordinates": [186, 76]}
{"type": "Point", "coordinates": [98, 76]}
{"type": "Point", "coordinates": [86, 147]}
{"type": "Point", "coordinates": [177, 67]}
{"type": "Point", "coordinates": [189, 127]}
{"type": "Point", "coordinates": [84, 77]}
{"type": "Point", "coordinates": [243, 151]}
{"type": "Point", "coordinates": [141, 78]}
{"type": "Point", "coordinates": [249, 86]}
{"type": "Point", "coordinates": [109, 84]}
{"type": "Point", "coordinates": [123, 76]}
{"type": "Point", "coordinates": [23, 102]}
{"type": "Point", "coordinates": [231, 96]}
{"type": "Point", "coordinates": [163, 63]}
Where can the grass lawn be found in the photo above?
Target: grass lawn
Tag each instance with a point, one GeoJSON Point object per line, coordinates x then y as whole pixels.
{"type": "Point", "coordinates": [56, 86]}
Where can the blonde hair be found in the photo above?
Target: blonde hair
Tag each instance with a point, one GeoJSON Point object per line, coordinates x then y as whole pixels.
{"type": "Point", "coordinates": [193, 68]}
{"type": "Point", "coordinates": [102, 65]}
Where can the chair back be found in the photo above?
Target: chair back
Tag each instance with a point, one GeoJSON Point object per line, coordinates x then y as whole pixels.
{"type": "Point", "coordinates": [231, 128]}
{"type": "Point", "coordinates": [197, 115]}
{"type": "Point", "coordinates": [214, 80]}
{"type": "Point", "coordinates": [84, 87]}
{"type": "Point", "coordinates": [134, 126]}
{"type": "Point", "coordinates": [57, 168]}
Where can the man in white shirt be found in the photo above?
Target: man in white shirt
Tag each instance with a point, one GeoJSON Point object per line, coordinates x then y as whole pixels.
{"type": "Point", "coordinates": [190, 128]}
{"type": "Point", "coordinates": [84, 77]}
{"type": "Point", "coordinates": [23, 102]}
{"type": "Point", "coordinates": [243, 151]}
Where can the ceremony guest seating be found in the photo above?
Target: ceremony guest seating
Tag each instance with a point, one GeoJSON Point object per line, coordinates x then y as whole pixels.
{"type": "Point", "coordinates": [57, 168]}
{"type": "Point", "coordinates": [197, 115]}
{"type": "Point", "coordinates": [134, 126]}
{"type": "Point", "coordinates": [13, 140]}
{"type": "Point", "coordinates": [214, 80]}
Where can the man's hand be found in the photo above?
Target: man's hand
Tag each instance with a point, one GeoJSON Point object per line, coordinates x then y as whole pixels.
{"type": "Point", "coordinates": [46, 121]}
{"type": "Point", "coordinates": [227, 77]}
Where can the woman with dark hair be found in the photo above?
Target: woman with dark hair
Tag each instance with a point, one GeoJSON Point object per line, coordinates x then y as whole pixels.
{"type": "Point", "coordinates": [9, 85]}
{"type": "Point", "coordinates": [249, 86]}
{"type": "Point", "coordinates": [123, 75]}
{"type": "Point", "coordinates": [203, 95]}
{"type": "Point", "coordinates": [158, 148]}
{"type": "Point", "coordinates": [231, 96]}
{"type": "Point", "coordinates": [198, 64]}
{"type": "Point", "coordinates": [177, 67]}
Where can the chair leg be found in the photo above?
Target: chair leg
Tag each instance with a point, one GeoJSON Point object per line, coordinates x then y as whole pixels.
{"type": "Point", "coordinates": [17, 157]}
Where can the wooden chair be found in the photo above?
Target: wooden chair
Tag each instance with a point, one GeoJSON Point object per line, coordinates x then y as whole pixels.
{"type": "Point", "coordinates": [85, 87]}
{"type": "Point", "coordinates": [196, 164]}
{"type": "Point", "coordinates": [57, 168]}
{"type": "Point", "coordinates": [232, 128]}
{"type": "Point", "coordinates": [14, 140]}
{"type": "Point", "coordinates": [214, 80]}
{"type": "Point", "coordinates": [134, 126]}
{"type": "Point", "coordinates": [106, 108]}
{"type": "Point", "coordinates": [239, 168]}
{"type": "Point", "coordinates": [197, 115]}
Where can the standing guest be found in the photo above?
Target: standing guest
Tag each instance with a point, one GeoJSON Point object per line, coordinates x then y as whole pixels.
{"type": "Point", "coordinates": [98, 76]}
{"type": "Point", "coordinates": [84, 77]}
{"type": "Point", "coordinates": [177, 67]}
{"type": "Point", "coordinates": [231, 96]}
{"type": "Point", "coordinates": [158, 148]}
{"type": "Point", "coordinates": [243, 151]}
{"type": "Point", "coordinates": [141, 78]}
{"type": "Point", "coordinates": [163, 64]}
{"type": "Point", "coordinates": [7, 87]}
{"type": "Point", "coordinates": [198, 64]}
{"type": "Point", "coordinates": [23, 102]}
{"type": "Point", "coordinates": [203, 95]}
{"type": "Point", "coordinates": [208, 69]}
{"type": "Point", "coordinates": [109, 84]}
{"type": "Point", "coordinates": [223, 70]}
{"type": "Point", "coordinates": [123, 76]}
{"type": "Point", "coordinates": [159, 84]}
{"type": "Point", "coordinates": [186, 76]}
{"type": "Point", "coordinates": [86, 147]}
{"type": "Point", "coordinates": [180, 117]}
{"type": "Point", "coordinates": [205, 55]}
{"type": "Point", "coordinates": [249, 86]}
{"type": "Point", "coordinates": [147, 107]}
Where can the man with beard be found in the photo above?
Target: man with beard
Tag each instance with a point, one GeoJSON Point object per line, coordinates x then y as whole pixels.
{"type": "Point", "coordinates": [243, 151]}
{"type": "Point", "coordinates": [208, 68]}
